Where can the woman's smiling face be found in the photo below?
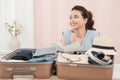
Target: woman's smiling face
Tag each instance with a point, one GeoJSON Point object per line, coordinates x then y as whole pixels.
{"type": "Point", "coordinates": [76, 20]}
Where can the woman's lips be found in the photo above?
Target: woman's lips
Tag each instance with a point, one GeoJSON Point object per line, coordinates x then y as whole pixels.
{"type": "Point", "coordinates": [73, 24]}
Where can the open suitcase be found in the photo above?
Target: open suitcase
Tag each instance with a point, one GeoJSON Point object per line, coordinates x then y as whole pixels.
{"type": "Point", "coordinates": [38, 70]}
{"type": "Point", "coordinates": [75, 70]}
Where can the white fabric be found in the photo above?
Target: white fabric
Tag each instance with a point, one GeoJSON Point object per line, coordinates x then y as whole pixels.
{"type": "Point", "coordinates": [105, 51]}
{"type": "Point", "coordinates": [80, 59]}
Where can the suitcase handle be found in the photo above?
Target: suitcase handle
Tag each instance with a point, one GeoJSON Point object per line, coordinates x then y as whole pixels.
{"type": "Point", "coordinates": [28, 77]}
{"type": "Point", "coordinates": [21, 69]}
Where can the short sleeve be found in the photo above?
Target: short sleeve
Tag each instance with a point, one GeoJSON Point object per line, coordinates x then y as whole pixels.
{"type": "Point", "coordinates": [67, 36]}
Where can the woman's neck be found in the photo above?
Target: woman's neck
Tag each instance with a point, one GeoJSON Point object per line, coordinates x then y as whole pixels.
{"type": "Point", "coordinates": [80, 33]}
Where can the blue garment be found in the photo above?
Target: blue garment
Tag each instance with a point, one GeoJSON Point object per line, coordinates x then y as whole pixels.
{"type": "Point", "coordinates": [23, 55]}
{"type": "Point", "coordinates": [87, 41]}
{"type": "Point", "coordinates": [41, 59]}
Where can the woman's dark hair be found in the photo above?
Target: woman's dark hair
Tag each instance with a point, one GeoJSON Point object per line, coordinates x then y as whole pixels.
{"type": "Point", "coordinates": [85, 14]}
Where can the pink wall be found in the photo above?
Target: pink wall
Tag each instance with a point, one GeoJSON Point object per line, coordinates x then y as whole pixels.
{"type": "Point", "coordinates": [52, 17]}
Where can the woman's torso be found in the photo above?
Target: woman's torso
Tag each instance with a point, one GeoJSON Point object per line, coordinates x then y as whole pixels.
{"type": "Point", "coordinates": [86, 42]}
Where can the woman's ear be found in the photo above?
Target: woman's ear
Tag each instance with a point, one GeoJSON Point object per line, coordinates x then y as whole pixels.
{"type": "Point", "coordinates": [85, 20]}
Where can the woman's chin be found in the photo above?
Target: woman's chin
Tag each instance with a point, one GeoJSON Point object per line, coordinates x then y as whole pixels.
{"type": "Point", "coordinates": [75, 28]}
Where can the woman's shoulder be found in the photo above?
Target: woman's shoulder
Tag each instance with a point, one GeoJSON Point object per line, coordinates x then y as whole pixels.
{"type": "Point", "coordinates": [67, 36]}
{"type": "Point", "coordinates": [93, 32]}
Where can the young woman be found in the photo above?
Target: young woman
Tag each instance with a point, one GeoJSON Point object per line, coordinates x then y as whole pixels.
{"type": "Point", "coordinates": [82, 31]}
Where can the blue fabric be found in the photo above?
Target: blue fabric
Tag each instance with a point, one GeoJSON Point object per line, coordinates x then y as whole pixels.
{"type": "Point", "coordinates": [41, 59]}
{"type": "Point", "coordinates": [87, 41]}
{"type": "Point", "coordinates": [67, 36]}
{"type": "Point", "coordinates": [23, 55]}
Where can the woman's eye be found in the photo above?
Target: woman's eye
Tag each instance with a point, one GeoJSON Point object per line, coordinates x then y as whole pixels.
{"type": "Point", "coordinates": [76, 16]}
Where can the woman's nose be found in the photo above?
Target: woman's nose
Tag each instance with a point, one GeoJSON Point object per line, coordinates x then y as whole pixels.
{"type": "Point", "coordinates": [72, 20]}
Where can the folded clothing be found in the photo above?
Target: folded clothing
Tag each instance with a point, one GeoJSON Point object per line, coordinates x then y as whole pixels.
{"type": "Point", "coordinates": [45, 51]}
{"type": "Point", "coordinates": [42, 59]}
{"type": "Point", "coordinates": [12, 60]}
{"type": "Point", "coordinates": [23, 55]}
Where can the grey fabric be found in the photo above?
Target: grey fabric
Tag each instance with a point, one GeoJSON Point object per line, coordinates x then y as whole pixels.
{"type": "Point", "coordinates": [45, 51]}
